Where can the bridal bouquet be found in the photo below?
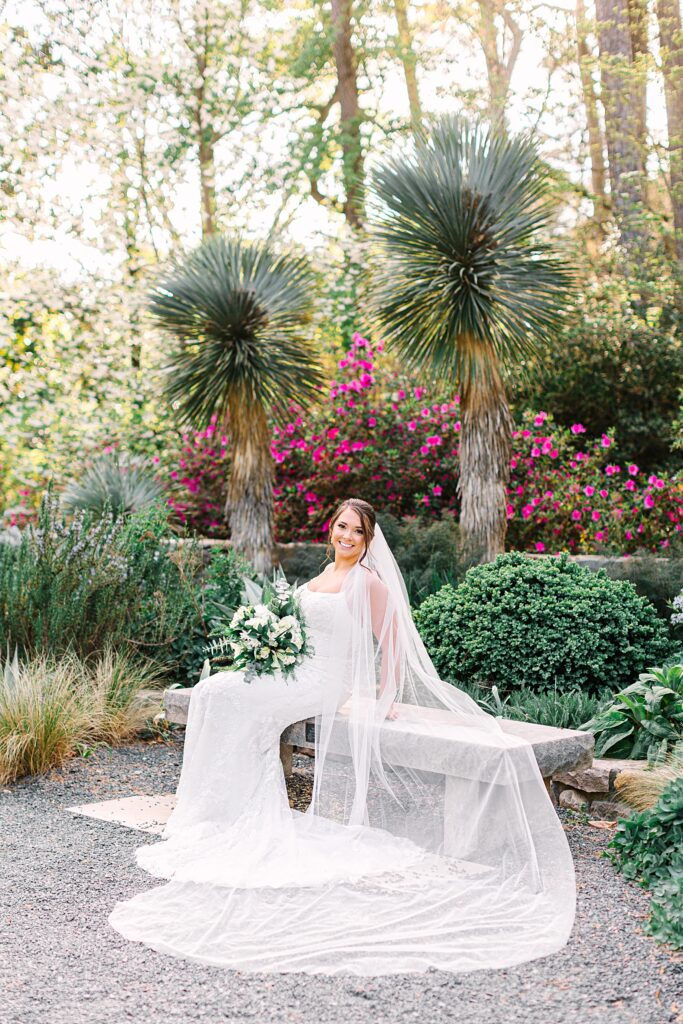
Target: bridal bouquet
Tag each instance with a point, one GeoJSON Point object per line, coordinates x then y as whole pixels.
{"type": "Point", "coordinates": [263, 636]}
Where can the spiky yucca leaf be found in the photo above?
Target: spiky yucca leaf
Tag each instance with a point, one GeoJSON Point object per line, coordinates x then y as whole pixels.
{"type": "Point", "coordinates": [462, 280]}
{"type": "Point", "coordinates": [239, 312]}
{"type": "Point", "coordinates": [121, 483]}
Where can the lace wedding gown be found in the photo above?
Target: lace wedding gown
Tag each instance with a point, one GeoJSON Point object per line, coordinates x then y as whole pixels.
{"type": "Point", "coordinates": [257, 886]}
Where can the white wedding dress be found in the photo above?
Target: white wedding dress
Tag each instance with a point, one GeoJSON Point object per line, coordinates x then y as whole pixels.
{"type": "Point", "coordinates": [257, 886]}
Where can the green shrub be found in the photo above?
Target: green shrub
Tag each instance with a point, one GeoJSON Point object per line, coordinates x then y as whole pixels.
{"type": "Point", "coordinates": [658, 577]}
{"type": "Point", "coordinates": [647, 847]}
{"type": "Point", "coordinates": [89, 582]}
{"type": "Point", "coordinates": [541, 623]}
{"type": "Point", "coordinates": [645, 719]}
{"type": "Point", "coordinates": [429, 555]}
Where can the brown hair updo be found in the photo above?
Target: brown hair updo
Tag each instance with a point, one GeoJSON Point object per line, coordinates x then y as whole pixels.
{"type": "Point", "coordinates": [367, 517]}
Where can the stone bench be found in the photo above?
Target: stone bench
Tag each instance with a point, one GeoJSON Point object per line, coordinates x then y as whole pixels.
{"type": "Point", "coordinates": [426, 739]}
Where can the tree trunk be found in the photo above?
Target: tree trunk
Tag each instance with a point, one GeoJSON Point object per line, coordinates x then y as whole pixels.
{"type": "Point", "coordinates": [485, 449]}
{"type": "Point", "coordinates": [249, 505]}
{"type": "Point", "coordinates": [205, 143]}
{"type": "Point", "coordinates": [620, 99]}
{"type": "Point", "coordinates": [350, 112]}
{"type": "Point", "coordinates": [408, 60]}
{"type": "Point", "coordinates": [207, 172]}
{"type": "Point", "coordinates": [637, 27]}
{"type": "Point", "coordinates": [595, 136]}
{"type": "Point", "coordinates": [671, 47]}
{"type": "Point", "coordinates": [499, 63]}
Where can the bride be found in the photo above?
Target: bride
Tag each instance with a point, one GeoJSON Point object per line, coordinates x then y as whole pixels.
{"type": "Point", "coordinates": [430, 840]}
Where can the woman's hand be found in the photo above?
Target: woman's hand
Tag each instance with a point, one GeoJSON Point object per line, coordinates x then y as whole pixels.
{"type": "Point", "coordinates": [392, 712]}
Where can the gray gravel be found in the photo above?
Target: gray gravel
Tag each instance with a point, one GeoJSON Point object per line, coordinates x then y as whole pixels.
{"type": "Point", "coordinates": [61, 962]}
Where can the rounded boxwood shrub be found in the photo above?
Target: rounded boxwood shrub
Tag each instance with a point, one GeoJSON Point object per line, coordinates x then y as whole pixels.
{"type": "Point", "coordinates": [539, 623]}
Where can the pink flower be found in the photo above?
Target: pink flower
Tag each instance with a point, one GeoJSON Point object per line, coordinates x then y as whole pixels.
{"type": "Point", "coordinates": [424, 449]}
{"type": "Point", "coordinates": [649, 501]}
{"type": "Point", "coordinates": [527, 511]}
{"type": "Point", "coordinates": [633, 469]}
{"type": "Point", "coordinates": [577, 428]}
{"type": "Point", "coordinates": [401, 394]}
{"type": "Point", "coordinates": [419, 392]}
{"type": "Point", "coordinates": [457, 425]}
{"type": "Point", "coordinates": [540, 419]}
{"type": "Point", "coordinates": [611, 470]}
{"type": "Point", "coordinates": [426, 412]}
{"type": "Point", "coordinates": [605, 441]}
{"type": "Point", "coordinates": [628, 535]}
{"type": "Point", "coordinates": [603, 493]}
{"type": "Point", "coordinates": [535, 452]}
{"type": "Point", "coordinates": [526, 433]}
{"type": "Point", "coordinates": [599, 535]}
{"type": "Point", "coordinates": [513, 463]}
{"type": "Point", "coordinates": [345, 468]}
{"type": "Point", "coordinates": [310, 496]}
{"type": "Point", "coordinates": [434, 439]}
{"type": "Point", "coordinates": [155, 460]}
{"type": "Point", "coordinates": [630, 485]}
{"type": "Point", "coordinates": [576, 515]}
{"type": "Point", "coordinates": [595, 515]}
{"type": "Point", "coordinates": [437, 490]}
{"type": "Point", "coordinates": [589, 491]}
{"type": "Point", "coordinates": [510, 509]}
{"type": "Point", "coordinates": [540, 546]}
{"type": "Point", "coordinates": [372, 422]}
{"type": "Point", "coordinates": [425, 499]}
{"type": "Point", "coordinates": [554, 453]}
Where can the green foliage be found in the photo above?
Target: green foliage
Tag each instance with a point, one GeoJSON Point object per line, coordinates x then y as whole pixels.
{"type": "Point", "coordinates": [86, 581]}
{"type": "Point", "coordinates": [121, 483]}
{"type": "Point", "coordinates": [614, 366]}
{"type": "Point", "coordinates": [541, 623]}
{"type": "Point", "coordinates": [562, 709]}
{"type": "Point", "coordinates": [658, 578]}
{"type": "Point", "coordinates": [645, 719]}
{"type": "Point", "coordinates": [217, 591]}
{"type": "Point", "coordinates": [647, 847]}
{"type": "Point", "coordinates": [428, 554]}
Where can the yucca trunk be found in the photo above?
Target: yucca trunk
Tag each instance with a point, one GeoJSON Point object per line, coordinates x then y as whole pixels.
{"type": "Point", "coordinates": [485, 449]}
{"type": "Point", "coordinates": [249, 505]}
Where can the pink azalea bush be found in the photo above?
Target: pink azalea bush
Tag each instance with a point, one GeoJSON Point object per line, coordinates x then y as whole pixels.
{"type": "Point", "coordinates": [380, 436]}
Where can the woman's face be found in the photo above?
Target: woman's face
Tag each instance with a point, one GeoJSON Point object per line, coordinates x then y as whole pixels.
{"type": "Point", "coordinates": [347, 535]}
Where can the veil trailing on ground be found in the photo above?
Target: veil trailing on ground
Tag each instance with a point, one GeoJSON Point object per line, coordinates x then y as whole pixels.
{"type": "Point", "coordinates": [430, 840]}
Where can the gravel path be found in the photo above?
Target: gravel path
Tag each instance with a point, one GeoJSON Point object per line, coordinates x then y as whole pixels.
{"type": "Point", "coordinates": [61, 962]}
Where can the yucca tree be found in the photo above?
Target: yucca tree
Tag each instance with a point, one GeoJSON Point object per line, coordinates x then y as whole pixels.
{"type": "Point", "coordinates": [239, 312]}
{"type": "Point", "coordinates": [464, 285]}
